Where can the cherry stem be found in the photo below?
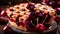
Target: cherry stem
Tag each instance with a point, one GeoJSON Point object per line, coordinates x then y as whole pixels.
{"type": "Point", "coordinates": [37, 20]}
{"type": "Point", "coordinates": [32, 23]}
{"type": "Point", "coordinates": [44, 19]}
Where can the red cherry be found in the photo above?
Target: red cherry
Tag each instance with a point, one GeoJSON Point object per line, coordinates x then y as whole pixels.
{"type": "Point", "coordinates": [30, 6]}
{"type": "Point", "coordinates": [57, 19]}
{"type": "Point", "coordinates": [3, 21]}
{"type": "Point", "coordinates": [57, 10]}
{"type": "Point", "coordinates": [40, 27]}
{"type": "Point", "coordinates": [58, 3]}
{"type": "Point", "coordinates": [3, 13]}
{"type": "Point", "coordinates": [44, 1]}
{"type": "Point", "coordinates": [7, 30]}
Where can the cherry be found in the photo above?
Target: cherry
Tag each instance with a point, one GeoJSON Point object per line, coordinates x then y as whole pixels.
{"type": "Point", "coordinates": [40, 27]}
{"type": "Point", "coordinates": [7, 30]}
{"type": "Point", "coordinates": [44, 1]}
{"type": "Point", "coordinates": [57, 10]}
{"type": "Point", "coordinates": [3, 20]}
{"type": "Point", "coordinates": [49, 2]}
{"type": "Point", "coordinates": [57, 19]}
{"type": "Point", "coordinates": [30, 6]}
{"type": "Point", "coordinates": [57, 3]}
{"type": "Point", "coordinates": [3, 13]}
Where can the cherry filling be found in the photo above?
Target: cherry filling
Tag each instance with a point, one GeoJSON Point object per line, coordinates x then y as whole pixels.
{"type": "Point", "coordinates": [11, 15]}
{"type": "Point", "coordinates": [17, 7]}
{"type": "Point", "coordinates": [11, 9]}
{"type": "Point", "coordinates": [32, 10]}
{"type": "Point", "coordinates": [41, 16]}
{"type": "Point", "coordinates": [23, 10]}
{"type": "Point", "coordinates": [30, 6]}
{"type": "Point", "coordinates": [23, 24]}
{"type": "Point", "coordinates": [11, 19]}
{"type": "Point", "coordinates": [17, 21]}
{"type": "Point", "coordinates": [27, 21]}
